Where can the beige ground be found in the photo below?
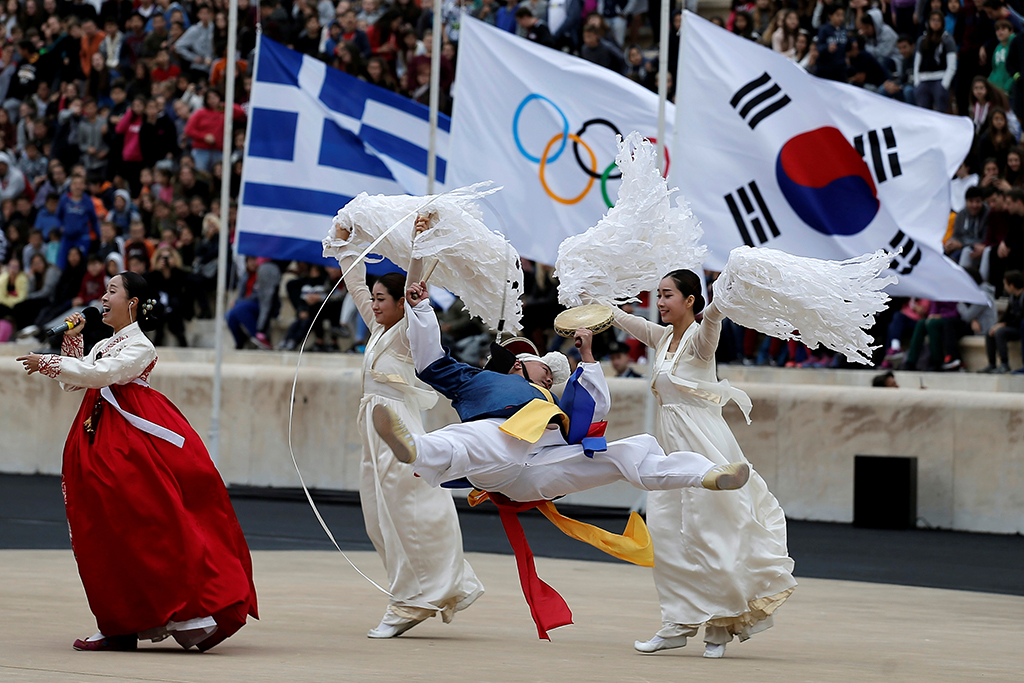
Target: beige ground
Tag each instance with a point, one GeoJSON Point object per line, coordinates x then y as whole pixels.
{"type": "Point", "coordinates": [316, 612]}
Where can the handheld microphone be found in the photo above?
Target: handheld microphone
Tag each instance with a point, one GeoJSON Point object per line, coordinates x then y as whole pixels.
{"type": "Point", "coordinates": [59, 330]}
{"type": "Point", "coordinates": [91, 316]}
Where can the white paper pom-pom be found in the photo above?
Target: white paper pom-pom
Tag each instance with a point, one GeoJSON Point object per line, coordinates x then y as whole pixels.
{"type": "Point", "coordinates": [474, 262]}
{"type": "Point", "coordinates": [641, 239]}
{"type": "Point", "coordinates": [814, 301]}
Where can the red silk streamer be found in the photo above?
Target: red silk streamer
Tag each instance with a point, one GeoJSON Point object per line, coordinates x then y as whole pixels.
{"type": "Point", "coordinates": [548, 609]}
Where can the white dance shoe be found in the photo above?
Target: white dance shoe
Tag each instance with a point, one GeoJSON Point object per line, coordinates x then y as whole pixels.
{"type": "Point", "coordinates": [384, 630]}
{"type": "Point", "coordinates": [720, 478]}
{"type": "Point", "coordinates": [658, 643]}
{"type": "Point", "coordinates": [712, 651]}
{"type": "Point", "coordinates": [395, 434]}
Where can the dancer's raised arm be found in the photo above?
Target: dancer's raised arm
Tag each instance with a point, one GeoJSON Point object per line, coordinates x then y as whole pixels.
{"type": "Point", "coordinates": [705, 342]}
{"type": "Point", "coordinates": [647, 332]}
{"type": "Point", "coordinates": [423, 330]}
{"type": "Point", "coordinates": [355, 278]}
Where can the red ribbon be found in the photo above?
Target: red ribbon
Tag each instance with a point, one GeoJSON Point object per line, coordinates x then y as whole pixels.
{"type": "Point", "coordinates": [548, 609]}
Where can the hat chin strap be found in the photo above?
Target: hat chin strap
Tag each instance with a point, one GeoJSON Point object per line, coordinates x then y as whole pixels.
{"type": "Point", "coordinates": [526, 375]}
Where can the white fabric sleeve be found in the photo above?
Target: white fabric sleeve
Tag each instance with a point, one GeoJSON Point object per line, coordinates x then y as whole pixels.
{"type": "Point", "coordinates": [917, 68]}
{"type": "Point", "coordinates": [593, 381]}
{"type": "Point", "coordinates": [424, 334]}
{"type": "Point", "coordinates": [130, 363]}
{"type": "Point", "coordinates": [649, 334]}
{"type": "Point", "coordinates": [705, 342]}
{"type": "Point", "coordinates": [72, 347]}
{"type": "Point", "coordinates": [355, 283]}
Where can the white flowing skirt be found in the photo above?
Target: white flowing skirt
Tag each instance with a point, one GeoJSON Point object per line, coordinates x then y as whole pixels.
{"type": "Point", "coordinates": [720, 558]}
{"type": "Point", "coordinates": [414, 528]}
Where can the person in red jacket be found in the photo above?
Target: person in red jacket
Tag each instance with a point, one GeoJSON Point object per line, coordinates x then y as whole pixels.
{"type": "Point", "coordinates": [93, 284]}
{"type": "Point", "coordinates": [129, 126]}
{"type": "Point", "coordinates": [205, 130]}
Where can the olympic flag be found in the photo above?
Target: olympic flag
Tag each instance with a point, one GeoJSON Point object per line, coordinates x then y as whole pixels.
{"type": "Point", "coordinates": [778, 158]}
{"type": "Point", "coordinates": [317, 138]}
{"type": "Point", "coordinates": [542, 124]}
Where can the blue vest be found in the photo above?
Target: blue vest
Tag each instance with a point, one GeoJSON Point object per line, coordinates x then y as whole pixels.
{"type": "Point", "coordinates": [476, 394]}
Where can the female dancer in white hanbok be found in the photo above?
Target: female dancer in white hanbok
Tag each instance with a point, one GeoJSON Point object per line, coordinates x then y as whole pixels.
{"type": "Point", "coordinates": [413, 526]}
{"type": "Point", "coordinates": [720, 558]}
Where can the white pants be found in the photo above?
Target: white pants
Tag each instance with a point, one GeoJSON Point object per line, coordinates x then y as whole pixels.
{"type": "Point", "coordinates": [495, 461]}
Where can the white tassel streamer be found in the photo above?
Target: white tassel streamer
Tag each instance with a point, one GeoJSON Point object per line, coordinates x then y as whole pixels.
{"type": "Point", "coordinates": [814, 301]}
{"type": "Point", "coordinates": [474, 262]}
{"type": "Point", "coordinates": [638, 241]}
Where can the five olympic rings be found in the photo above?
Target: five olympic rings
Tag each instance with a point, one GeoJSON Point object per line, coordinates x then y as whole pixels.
{"type": "Point", "coordinates": [564, 138]}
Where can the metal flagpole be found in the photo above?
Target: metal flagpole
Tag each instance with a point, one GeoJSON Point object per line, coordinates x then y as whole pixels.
{"type": "Point", "coordinates": [435, 96]}
{"type": "Point", "coordinates": [652, 309]}
{"type": "Point", "coordinates": [662, 79]}
{"type": "Point", "coordinates": [225, 199]}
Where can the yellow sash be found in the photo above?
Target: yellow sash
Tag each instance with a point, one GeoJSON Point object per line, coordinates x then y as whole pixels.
{"type": "Point", "coordinates": [530, 421]}
{"type": "Point", "coordinates": [633, 545]}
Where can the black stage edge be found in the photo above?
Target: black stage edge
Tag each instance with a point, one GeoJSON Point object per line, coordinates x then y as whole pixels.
{"type": "Point", "coordinates": [32, 517]}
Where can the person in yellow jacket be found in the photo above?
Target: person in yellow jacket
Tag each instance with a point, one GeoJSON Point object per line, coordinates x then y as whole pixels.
{"type": "Point", "coordinates": [13, 286]}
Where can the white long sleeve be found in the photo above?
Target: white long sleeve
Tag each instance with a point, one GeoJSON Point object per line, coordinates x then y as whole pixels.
{"type": "Point", "coordinates": [119, 369]}
{"type": "Point", "coordinates": [124, 363]}
{"type": "Point", "coordinates": [355, 283]}
{"type": "Point", "coordinates": [705, 342]}
{"type": "Point", "coordinates": [649, 333]}
{"type": "Point", "coordinates": [424, 334]}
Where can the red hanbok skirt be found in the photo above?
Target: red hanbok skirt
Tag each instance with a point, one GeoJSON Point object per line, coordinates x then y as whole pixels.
{"type": "Point", "coordinates": [152, 527]}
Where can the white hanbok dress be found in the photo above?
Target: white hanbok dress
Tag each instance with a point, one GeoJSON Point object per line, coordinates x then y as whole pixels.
{"type": "Point", "coordinates": [720, 558]}
{"type": "Point", "coordinates": [413, 526]}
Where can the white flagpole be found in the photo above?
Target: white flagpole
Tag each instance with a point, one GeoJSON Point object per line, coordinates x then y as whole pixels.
{"type": "Point", "coordinates": [225, 198]}
{"type": "Point", "coordinates": [652, 309]}
{"type": "Point", "coordinates": [435, 95]}
{"type": "Point", "coordinates": [662, 80]}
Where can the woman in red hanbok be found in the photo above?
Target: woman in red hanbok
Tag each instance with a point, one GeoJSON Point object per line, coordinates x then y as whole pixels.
{"type": "Point", "coordinates": [158, 546]}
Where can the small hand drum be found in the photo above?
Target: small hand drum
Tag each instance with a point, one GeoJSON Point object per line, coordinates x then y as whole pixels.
{"type": "Point", "coordinates": [594, 317]}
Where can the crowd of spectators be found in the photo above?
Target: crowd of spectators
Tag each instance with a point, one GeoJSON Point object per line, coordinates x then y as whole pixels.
{"type": "Point", "coordinates": [111, 124]}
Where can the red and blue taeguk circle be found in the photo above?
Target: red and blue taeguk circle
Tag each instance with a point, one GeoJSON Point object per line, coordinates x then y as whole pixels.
{"type": "Point", "coordinates": [826, 182]}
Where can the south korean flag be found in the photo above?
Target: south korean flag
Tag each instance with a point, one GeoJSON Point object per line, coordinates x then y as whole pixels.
{"type": "Point", "coordinates": [768, 155]}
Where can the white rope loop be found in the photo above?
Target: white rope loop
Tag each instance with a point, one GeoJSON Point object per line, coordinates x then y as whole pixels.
{"type": "Point", "coordinates": [295, 381]}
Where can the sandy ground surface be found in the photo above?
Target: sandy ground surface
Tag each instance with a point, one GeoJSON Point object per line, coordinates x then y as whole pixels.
{"type": "Point", "coordinates": [316, 611]}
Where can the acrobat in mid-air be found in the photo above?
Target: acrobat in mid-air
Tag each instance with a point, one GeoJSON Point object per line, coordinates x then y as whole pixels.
{"type": "Point", "coordinates": [514, 439]}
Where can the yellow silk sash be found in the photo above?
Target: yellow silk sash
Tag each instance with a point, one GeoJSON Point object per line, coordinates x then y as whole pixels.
{"type": "Point", "coordinates": [633, 545]}
{"type": "Point", "coordinates": [530, 421]}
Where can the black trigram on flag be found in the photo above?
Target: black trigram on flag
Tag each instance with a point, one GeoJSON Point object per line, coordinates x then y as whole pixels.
{"type": "Point", "coordinates": [878, 157]}
{"type": "Point", "coordinates": [760, 104]}
{"type": "Point", "coordinates": [904, 262]}
{"type": "Point", "coordinates": [751, 208]}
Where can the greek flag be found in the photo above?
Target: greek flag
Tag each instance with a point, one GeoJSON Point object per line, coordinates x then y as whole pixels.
{"type": "Point", "coordinates": [317, 137]}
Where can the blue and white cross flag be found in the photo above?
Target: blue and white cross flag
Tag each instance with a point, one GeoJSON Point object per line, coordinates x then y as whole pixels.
{"type": "Point", "coordinates": [317, 137]}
